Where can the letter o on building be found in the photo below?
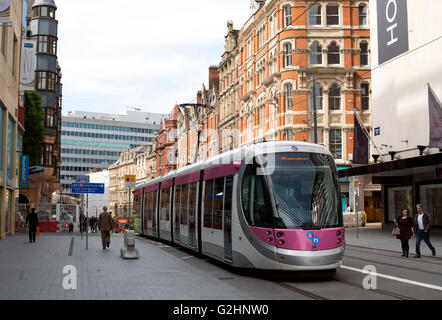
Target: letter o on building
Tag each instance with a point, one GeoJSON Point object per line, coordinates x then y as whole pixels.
{"type": "Point", "coordinates": [388, 7]}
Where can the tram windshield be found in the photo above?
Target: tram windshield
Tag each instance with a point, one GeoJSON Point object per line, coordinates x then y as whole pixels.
{"type": "Point", "coordinates": [304, 188]}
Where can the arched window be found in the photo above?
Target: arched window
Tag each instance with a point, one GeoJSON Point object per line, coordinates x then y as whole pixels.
{"type": "Point", "coordinates": [315, 53]}
{"type": "Point", "coordinates": [334, 97]}
{"type": "Point", "coordinates": [363, 15]}
{"type": "Point", "coordinates": [287, 16]}
{"type": "Point", "coordinates": [333, 55]}
{"type": "Point", "coordinates": [319, 95]}
{"type": "Point", "coordinates": [288, 89]}
{"type": "Point", "coordinates": [288, 54]}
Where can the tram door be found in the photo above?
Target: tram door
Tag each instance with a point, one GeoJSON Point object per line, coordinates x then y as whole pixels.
{"type": "Point", "coordinates": [228, 219]}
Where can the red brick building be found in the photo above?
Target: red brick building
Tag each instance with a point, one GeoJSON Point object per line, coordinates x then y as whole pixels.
{"type": "Point", "coordinates": [166, 144]}
{"type": "Point", "coordinates": [266, 74]}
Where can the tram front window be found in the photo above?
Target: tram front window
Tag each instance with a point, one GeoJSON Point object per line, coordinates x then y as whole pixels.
{"type": "Point", "coordinates": [304, 188]}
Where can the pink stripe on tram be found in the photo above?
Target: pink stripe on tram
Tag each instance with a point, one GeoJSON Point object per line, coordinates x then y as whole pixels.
{"type": "Point", "coordinates": [138, 191]}
{"type": "Point", "coordinates": [166, 184]}
{"type": "Point", "coordinates": [223, 170]}
{"type": "Point", "coordinates": [152, 187]}
{"type": "Point", "coordinates": [189, 178]}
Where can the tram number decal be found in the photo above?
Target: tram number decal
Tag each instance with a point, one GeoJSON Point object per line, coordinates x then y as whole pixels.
{"type": "Point", "coordinates": [315, 240]}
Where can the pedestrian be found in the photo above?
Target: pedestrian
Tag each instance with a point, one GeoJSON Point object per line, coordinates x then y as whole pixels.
{"type": "Point", "coordinates": [105, 225]}
{"type": "Point", "coordinates": [82, 216]}
{"type": "Point", "coordinates": [422, 227]}
{"type": "Point", "coordinates": [70, 219]}
{"type": "Point", "coordinates": [405, 224]}
{"type": "Point", "coordinates": [92, 223]}
{"type": "Point", "coordinates": [32, 219]}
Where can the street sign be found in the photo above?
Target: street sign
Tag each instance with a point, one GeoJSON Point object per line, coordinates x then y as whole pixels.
{"type": "Point", "coordinates": [129, 181]}
{"type": "Point", "coordinates": [88, 188]}
{"type": "Point", "coordinates": [24, 171]}
{"type": "Point", "coordinates": [60, 188]}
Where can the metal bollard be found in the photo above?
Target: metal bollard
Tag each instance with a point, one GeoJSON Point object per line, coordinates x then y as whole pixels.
{"type": "Point", "coordinates": [128, 251]}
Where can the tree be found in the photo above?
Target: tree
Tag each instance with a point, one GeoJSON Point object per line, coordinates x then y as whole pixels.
{"type": "Point", "coordinates": [34, 127]}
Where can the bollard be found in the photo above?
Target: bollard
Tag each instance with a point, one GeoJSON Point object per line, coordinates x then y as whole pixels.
{"type": "Point", "coordinates": [128, 251]}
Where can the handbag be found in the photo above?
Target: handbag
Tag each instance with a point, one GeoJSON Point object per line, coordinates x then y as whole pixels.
{"type": "Point", "coordinates": [396, 231]}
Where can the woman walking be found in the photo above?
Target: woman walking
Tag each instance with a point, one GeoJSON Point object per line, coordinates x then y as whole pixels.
{"type": "Point", "coordinates": [405, 224]}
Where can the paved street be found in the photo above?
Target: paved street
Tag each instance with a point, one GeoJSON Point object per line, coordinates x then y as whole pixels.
{"type": "Point", "coordinates": [35, 271]}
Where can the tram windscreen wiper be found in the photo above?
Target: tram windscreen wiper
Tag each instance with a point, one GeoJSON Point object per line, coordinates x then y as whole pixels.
{"type": "Point", "coordinates": [292, 215]}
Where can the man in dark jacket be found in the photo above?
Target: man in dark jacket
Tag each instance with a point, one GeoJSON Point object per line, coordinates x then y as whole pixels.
{"type": "Point", "coordinates": [422, 226]}
{"type": "Point", "coordinates": [32, 219]}
{"type": "Point", "coordinates": [105, 225]}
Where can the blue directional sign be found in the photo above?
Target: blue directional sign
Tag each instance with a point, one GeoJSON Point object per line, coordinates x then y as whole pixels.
{"type": "Point", "coordinates": [88, 188]}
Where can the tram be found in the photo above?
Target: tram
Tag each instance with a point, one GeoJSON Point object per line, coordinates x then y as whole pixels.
{"type": "Point", "coordinates": [270, 206]}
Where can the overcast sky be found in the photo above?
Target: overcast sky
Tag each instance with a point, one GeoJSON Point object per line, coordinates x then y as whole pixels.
{"type": "Point", "coordinates": [149, 55]}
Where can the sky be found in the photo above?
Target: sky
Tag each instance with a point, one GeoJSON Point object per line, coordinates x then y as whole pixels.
{"type": "Point", "coordinates": [150, 55]}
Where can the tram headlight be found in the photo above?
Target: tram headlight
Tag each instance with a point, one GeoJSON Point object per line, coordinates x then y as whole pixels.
{"type": "Point", "coordinates": [281, 242]}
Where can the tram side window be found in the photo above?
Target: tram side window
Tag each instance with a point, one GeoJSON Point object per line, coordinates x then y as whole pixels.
{"type": "Point", "coordinates": [154, 208]}
{"type": "Point", "coordinates": [177, 203]}
{"type": "Point", "coordinates": [149, 206]}
{"type": "Point", "coordinates": [184, 201]}
{"type": "Point", "coordinates": [164, 207]}
{"type": "Point", "coordinates": [228, 195]}
{"type": "Point", "coordinates": [192, 202]}
{"type": "Point", "coordinates": [136, 211]}
{"type": "Point", "coordinates": [218, 204]}
{"type": "Point", "coordinates": [256, 204]}
{"type": "Point", "coordinates": [208, 198]}
{"type": "Point", "coordinates": [146, 210]}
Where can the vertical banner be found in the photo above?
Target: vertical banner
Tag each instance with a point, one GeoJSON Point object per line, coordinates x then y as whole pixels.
{"type": "Point", "coordinates": [435, 119]}
{"type": "Point", "coordinates": [29, 64]}
{"type": "Point", "coordinates": [392, 29]}
{"type": "Point", "coordinates": [360, 144]}
{"type": "Point", "coordinates": [24, 172]}
{"type": "Point", "coordinates": [5, 11]}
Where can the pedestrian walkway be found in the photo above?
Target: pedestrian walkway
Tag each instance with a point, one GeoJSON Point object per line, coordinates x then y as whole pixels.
{"type": "Point", "coordinates": [372, 236]}
{"type": "Point", "coordinates": [34, 271]}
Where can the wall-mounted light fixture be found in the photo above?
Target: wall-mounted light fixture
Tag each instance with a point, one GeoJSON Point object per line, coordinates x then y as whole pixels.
{"type": "Point", "coordinates": [392, 154]}
{"type": "Point", "coordinates": [421, 149]}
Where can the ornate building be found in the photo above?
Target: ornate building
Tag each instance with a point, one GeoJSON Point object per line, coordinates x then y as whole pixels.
{"type": "Point", "coordinates": [128, 164]}
{"type": "Point", "coordinates": [267, 74]}
{"type": "Point", "coordinates": [166, 148]}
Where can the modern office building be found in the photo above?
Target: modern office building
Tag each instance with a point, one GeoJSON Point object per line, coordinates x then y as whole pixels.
{"type": "Point", "coordinates": [91, 141]}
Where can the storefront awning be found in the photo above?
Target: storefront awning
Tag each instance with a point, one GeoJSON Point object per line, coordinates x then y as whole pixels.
{"type": "Point", "coordinates": [402, 165]}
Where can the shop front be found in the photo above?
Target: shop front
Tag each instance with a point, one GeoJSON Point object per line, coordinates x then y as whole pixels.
{"type": "Point", "coordinates": [404, 183]}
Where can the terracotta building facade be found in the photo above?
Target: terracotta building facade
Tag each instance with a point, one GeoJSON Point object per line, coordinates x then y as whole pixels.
{"type": "Point", "coordinates": [269, 66]}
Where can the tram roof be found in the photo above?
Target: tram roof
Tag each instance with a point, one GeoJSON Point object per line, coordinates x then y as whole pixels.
{"type": "Point", "coordinates": [237, 155]}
